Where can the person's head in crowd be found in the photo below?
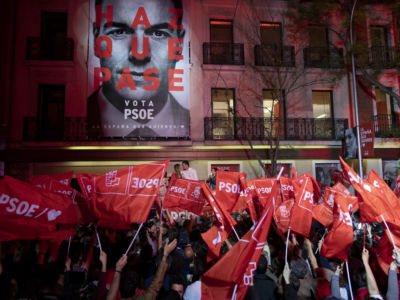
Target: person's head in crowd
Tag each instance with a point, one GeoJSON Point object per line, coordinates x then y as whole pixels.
{"type": "Point", "coordinates": [152, 45]}
{"type": "Point", "coordinates": [177, 170]}
{"type": "Point", "coordinates": [299, 270]}
{"type": "Point", "coordinates": [185, 165]}
{"type": "Point", "coordinates": [176, 284]}
{"type": "Point", "coordinates": [188, 250]}
{"type": "Point", "coordinates": [171, 295]}
{"type": "Point", "coordinates": [214, 172]}
{"type": "Point", "coordinates": [130, 282]}
{"type": "Point", "coordinates": [262, 265]}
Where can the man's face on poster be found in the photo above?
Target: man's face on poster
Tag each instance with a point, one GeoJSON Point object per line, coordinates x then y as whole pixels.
{"type": "Point", "coordinates": [121, 33]}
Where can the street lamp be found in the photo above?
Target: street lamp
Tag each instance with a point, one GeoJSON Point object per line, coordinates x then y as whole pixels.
{"type": "Point", "coordinates": [355, 100]}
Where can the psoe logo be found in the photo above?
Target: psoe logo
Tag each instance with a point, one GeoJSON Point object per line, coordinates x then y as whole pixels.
{"type": "Point", "coordinates": [112, 179]}
{"type": "Point", "coordinates": [196, 192]}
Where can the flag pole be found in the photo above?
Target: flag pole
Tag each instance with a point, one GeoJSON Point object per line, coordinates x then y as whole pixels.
{"type": "Point", "coordinates": [98, 240]}
{"type": "Point", "coordinates": [134, 238]}
{"type": "Point", "coordinates": [322, 238]}
{"type": "Point", "coordinates": [349, 280]}
{"type": "Point", "coordinates": [237, 236]}
{"type": "Point", "coordinates": [234, 292]}
{"type": "Point", "coordinates": [69, 245]}
{"type": "Point", "coordinates": [287, 244]}
{"type": "Point", "coordinates": [390, 233]}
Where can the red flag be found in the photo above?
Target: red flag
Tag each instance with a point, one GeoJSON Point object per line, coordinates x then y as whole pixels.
{"type": "Point", "coordinates": [221, 230]}
{"type": "Point", "coordinates": [287, 189]}
{"type": "Point", "coordinates": [246, 200]}
{"type": "Point", "coordinates": [228, 187]}
{"type": "Point", "coordinates": [323, 212]}
{"type": "Point", "coordinates": [294, 173]}
{"type": "Point", "coordinates": [282, 215]}
{"type": "Point", "coordinates": [184, 194]}
{"type": "Point", "coordinates": [45, 180]}
{"type": "Point", "coordinates": [28, 211]}
{"type": "Point", "coordinates": [84, 212]}
{"type": "Point", "coordinates": [231, 276]}
{"type": "Point", "coordinates": [125, 196]}
{"type": "Point", "coordinates": [384, 249]}
{"type": "Point", "coordinates": [301, 218]}
{"type": "Point", "coordinates": [377, 198]}
{"type": "Point", "coordinates": [340, 237]}
{"type": "Point", "coordinates": [263, 188]}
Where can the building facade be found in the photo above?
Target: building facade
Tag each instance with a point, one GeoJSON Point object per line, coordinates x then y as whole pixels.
{"type": "Point", "coordinates": [252, 86]}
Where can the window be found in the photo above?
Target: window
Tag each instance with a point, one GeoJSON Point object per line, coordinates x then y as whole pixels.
{"type": "Point", "coordinates": [270, 34]}
{"type": "Point", "coordinates": [322, 106]}
{"type": "Point", "coordinates": [380, 43]}
{"type": "Point", "coordinates": [322, 113]}
{"type": "Point", "coordinates": [273, 112]}
{"type": "Point", "coordinates": [221, 31]}
{"type": "Point", "coordinates": [386, 111]}
{"type": "Point", "coordinates": [223, 109]}
{"type": "Point", "coordinates": [51, 112]}
{"type": "Point", "coordinates": [318, 36]}
{"type": "Point", "coordinates": [54, 35]}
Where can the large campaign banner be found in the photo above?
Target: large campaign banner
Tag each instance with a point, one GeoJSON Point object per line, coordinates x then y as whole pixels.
{"type": "Point", "coordinates": [138, 69]}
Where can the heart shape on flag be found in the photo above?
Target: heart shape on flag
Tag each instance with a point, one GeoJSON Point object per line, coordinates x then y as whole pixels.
{"type": "Point", "coordinates": [53, 214]}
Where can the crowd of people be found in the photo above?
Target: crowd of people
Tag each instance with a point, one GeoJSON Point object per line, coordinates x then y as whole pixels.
{"type": "Point", "coordinates": [167, 261]}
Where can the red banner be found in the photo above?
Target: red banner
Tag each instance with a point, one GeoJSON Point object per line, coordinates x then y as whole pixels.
{"type": "Point", "coordinates": [228, 188]}
{"type": "Point", "coordinates": [124, 196]}
{"type": "Point", "coordinates": [30, 212]}
{"type": "Point", "coordinates": [367, 135]}
{"type": "Point", "coordinates": [184, 194]}
{"type": "Point", "coordinates": [301, 218]}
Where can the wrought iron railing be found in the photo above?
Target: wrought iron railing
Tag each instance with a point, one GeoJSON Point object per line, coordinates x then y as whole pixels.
{"type": "Point", "coordinates": [384, 57]}
{"type": "Point", "coordinates": [387, 125]}
{"type": "Point", "coordinates": [274, 56]}
{"type": "Point", "coordinates": [62, 49]}
{"type": "Point", "coordinates": [323, 57]}
{"type": "Point", "coordinates": [239, 128]}
{"type": "Point", "coordinates": [223, 54]}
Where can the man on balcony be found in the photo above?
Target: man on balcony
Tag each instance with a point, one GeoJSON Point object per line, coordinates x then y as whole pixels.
{"type": "Point", "coordinates": [138, 50]}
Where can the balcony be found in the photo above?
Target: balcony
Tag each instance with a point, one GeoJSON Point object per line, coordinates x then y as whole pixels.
{"type": "Point", "coordinates": [73, 129]}
{"type": "Point", "coordinates": [274, 56]}
{"type": "Point", "coordinates": [60, 49]}
{"type": "Point", "coordinates": [260, 129]}
{"type": "Point", "coordinates": [223, 54]}
{"type": "Point", "coordinates": [323, 57]}
{"type": "Point", "coordinates": [384, 57]}
{"type": "Point", "coordinates": [386, 126]}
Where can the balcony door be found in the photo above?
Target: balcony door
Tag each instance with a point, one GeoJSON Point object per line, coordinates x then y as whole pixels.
{"type": "Point", "coordinates": [273, 113]}
{"type": "Point", "coordinates": [51, 112]}
{"type": "Point", "coordinates": [223, 111]}
{"type": "Point", "coordinates": [221, 40]}
{"type": "Point", "coordinates": [386, 111]}
{"type": "Point", "coordinates": [323, 114]}
{"type": "Point", "coordinates": [380, 43]}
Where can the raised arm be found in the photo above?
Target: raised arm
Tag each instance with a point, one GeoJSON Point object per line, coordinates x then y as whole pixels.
{"type": "Point", "coordinates": [371, 282]}
{"type": "Point", "coordinates": [113, 292]}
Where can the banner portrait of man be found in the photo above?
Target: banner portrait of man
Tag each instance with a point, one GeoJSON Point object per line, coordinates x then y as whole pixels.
{"type": "Point", "coordinates": [138, 69]}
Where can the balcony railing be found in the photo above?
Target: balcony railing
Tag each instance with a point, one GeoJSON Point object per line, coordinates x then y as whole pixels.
{"type": "Point", "coordinates": [387, 125]}
{"type": "Point", "coordinates": [260, 129]}
{"type": "Point", "coordinates": [384, 57]}
{"type": "Point", "coordinates": [223, 54]}
{"type": "Point", "coordinates": [274, 56]}
{"type": "Point", "coordinates": [323, 57]}
{"type": "Point", "coordinates": [74, 129]}
{"type": "Point", "coordinates": [61, 49]}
